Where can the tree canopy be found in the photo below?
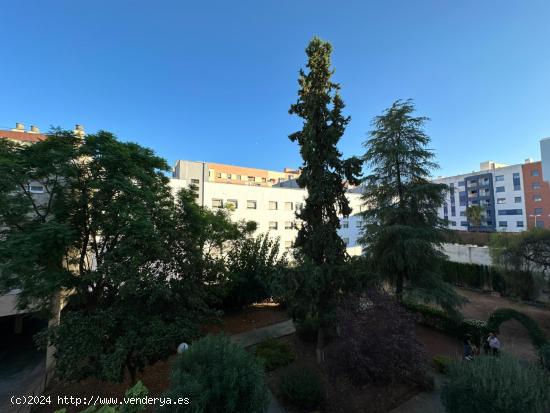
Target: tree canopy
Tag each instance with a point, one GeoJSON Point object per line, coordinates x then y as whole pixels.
{"type": "Point", "coordinates": [402, 233]}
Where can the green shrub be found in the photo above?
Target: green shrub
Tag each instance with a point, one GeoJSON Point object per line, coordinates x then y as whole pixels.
{"type": "Point", "coordinates": [538, 338]}
{"type": "Point", "coordinates": [301, 387]}
{"type": "Point", "coordinates": [440, 320]}
{"type": "Point", "coordinates": [544, 352]}
{"type": "Point", "coordinates": [138, 391]}
{"type": "Point", "coordinates": [306, 329]}
{"type": "Point", "coordinates": [496, 385]}
{"type": "Point", "coordinates": [442, 363]}
{"type": "Point", "coordinates": [274, 354]}
{"type": "Point", "coordinates": [218, 376]}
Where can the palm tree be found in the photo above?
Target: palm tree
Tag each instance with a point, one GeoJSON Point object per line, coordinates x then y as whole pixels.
{"type": "Point", "coordinates": [474, 214]}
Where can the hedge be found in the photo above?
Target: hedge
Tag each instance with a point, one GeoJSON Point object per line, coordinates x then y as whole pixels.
{"type": "Point", "coordinates": [440, 320]}
{"type": "Point", "coordinates": [538, 338]}
{"type": "Point", "coordinates": [472, 275]}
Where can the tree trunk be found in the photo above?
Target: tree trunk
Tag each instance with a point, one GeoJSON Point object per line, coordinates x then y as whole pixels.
{"type": "Point", "coordinates": [320, 345]}
{"type": "Point", "coordinates": [399, 287]}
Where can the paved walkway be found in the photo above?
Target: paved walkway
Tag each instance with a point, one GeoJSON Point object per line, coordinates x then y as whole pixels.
{"type": "Point", "coordinates": [425, 402]}
{"type": "Point", "coordinates": [252, 337]}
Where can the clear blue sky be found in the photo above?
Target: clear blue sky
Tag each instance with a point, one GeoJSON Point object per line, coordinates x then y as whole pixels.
{"type": "Point", "coordinates": [213, 80]}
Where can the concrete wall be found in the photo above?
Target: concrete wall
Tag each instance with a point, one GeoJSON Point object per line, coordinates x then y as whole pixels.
{"type": "Point", "coordinates": [468, 254]}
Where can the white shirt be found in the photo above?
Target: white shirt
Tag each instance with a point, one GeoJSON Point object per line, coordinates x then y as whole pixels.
{"type": "Point", "coordinates": [494, 342]}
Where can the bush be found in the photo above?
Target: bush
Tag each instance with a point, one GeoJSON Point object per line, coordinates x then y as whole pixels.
{"type": "Point", "coordinates": [440, 320]}
{"type": "Point", "coordinates": [138, 391]}
{"type": "Point", "coordinates": [538, 338]}
{"type": "Point", "coordinates": [377, 342]}
{"type": "Point", "coordinates": [442, 363]}
{"type": "Point", "coordinates": [301, 387]}
{"type": "Point", "coordinates": [218, 376]}
{"type": "Point", "coordinates": [274, 354]}
{"type": "Point", "coordinates": [491, 385]}
{"type": "Point", "coordinates": [544, 353]}
{"type": "Point", "coordinates": [250, 267]}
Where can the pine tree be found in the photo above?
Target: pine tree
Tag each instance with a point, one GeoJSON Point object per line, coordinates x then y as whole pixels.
{"type": "Point", "coordinates": [324, 174]}
{"type": "Point", "coordinates": [401, 231]}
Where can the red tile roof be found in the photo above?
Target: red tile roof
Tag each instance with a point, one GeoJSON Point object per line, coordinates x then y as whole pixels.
{"type": "Point", "coordinates": [25, 137]}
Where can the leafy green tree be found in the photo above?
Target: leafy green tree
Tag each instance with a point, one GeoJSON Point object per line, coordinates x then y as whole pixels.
{"type": "Point", "coordinates": [402, 232]}
{"type": "Point", "coordinates": [324, 174]}
{"type": "Point", "coordinates": [528, 250]}
{"type": "Point", "coordinates": [474, 213]}
{"type": "Point", "coordinates": [109, 236]}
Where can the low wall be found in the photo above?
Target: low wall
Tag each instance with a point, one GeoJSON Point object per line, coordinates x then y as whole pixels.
{"type": "Point", "coordinates": [468, 254]}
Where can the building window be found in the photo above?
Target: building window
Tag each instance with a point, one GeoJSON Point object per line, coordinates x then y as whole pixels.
{"type": "Point", "coordinates": [464, 223]}
{"type": "Point", "coordinates": [538, 211]}
{"type": "Point", "coordinates": [462, 213]}
{"type": "Point", "coordinates": [217, 203]}
{"type": "Point", "coordinates": [232, 204]}
{"type": "Point", "coordinates": [510, 212]}
{"type": "Point", "coordinates": [273, 225]}
{"type": "Point", "coordinates": [534, 172]}
{"type": "Point", "coordinates": [195, 181]}
{"type": "Point", "coordinates": [36, 189]}
{"type": "Point", "coordinates": [219, 175]}
{"type": "Point", "coordinates": [537, 198]}
{"type": "Point", "coordinates": [499, 189]}
{"type": "Point", "coordinates": [345, 223]}
{"type": "Point", "coordinates": [289, 225]}
{"type": "Point", "coordinates": [535, 185]}
{"type": "Point", "coordinates": [238, 177]}
{"type": "Point", "coordinates": [501, 200]}
{"type": "Point", "coordinates": [453, 210]}
{"type": "Point", "coordinates": [517, 199]}
{"type": "Point", "coordinates": [251, 179]}
{"type": "Point", "coordinates": [264, 180]}
{"type": "Point", "coordinates": [288, 206]}
{"type": "Point", "coordinates": [250, 204]}
{"type": "Point", "coordinates": [519, 224]}
{"type": "Point", "coordinates": [228, 176]}
{"type": "Point", "coordinates": [299, 206]}
{"type": "Point", "coordinates": [540, 224]}
{"type": "Point", "coordinates": [499, 178]}
{"type": "Point", "coordinates": [346, 241]}
{"type": "Point", "coordinates": [502, 223]}
{"type": "Point", "coordinates": [272, 205]}
{"type": "Point", "coordinates": [453, 223]}
{"type": "Point", "coordinates": [358, 223]}
{"type": "Point", "coordinates": [288, 244]}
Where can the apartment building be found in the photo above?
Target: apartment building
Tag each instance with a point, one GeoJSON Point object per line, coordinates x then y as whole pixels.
{"type": "Point", "coordinates": [513, 197]}
{"type": "Point", "coordinates": [272, 204]}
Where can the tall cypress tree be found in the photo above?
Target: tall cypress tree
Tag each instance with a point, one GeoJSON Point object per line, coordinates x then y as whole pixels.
{"type": "Point", "coordinates": [324, 175]}
{"type": "Point", "coordinates": [402, 232]}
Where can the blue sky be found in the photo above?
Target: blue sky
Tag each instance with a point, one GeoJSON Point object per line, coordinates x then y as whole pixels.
{"type": "Point", "coordinates": [213, 80]}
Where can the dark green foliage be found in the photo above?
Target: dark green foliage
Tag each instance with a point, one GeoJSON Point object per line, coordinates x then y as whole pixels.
{"type": "Point", "coordinates": [274, 354]}
{"type": "Point", "coordinates": [442, 363]}
{"type": "Point", "coordinates": [307, 328]}
{"type": "Point", "coordinates": [402, 232]}
{"type": "Point", "coordinates": [526, 251]}
{"type": "Point", "coordinates": [377, 342]}
{"type": "Point", "coordinates": [544, 352]}
{"type": "Point", "coordinates": [251, 264]}
{"type": "Point", "coordinates": [324, 174]}
{"type": "Point", "coordinates": [218, 376]}
{"type": "Point", "coordinates": [454, 326]}
{"type": "Point", "coordinates": [138, 391]}
{"type": "Point", "coordinates": [108, 235]}
{"type": "Point", "coordinates": [538, 338]}
{"type": "Point", "coordinates": [474, 213]}
{"type": "Point", "coordinates": [470, 275]}
{"type": "Point", "coordinates": [301, 387]}
{"type": "Point", "coordinates": [496, 385]}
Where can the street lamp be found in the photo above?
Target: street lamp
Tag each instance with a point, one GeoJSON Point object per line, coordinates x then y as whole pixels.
{"type": "Point", "coordinates": [536, 216]}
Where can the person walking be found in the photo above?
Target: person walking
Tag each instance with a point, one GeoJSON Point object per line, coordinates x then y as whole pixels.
{"type": "Point", "coordinates": [494, 344]}
{"type": "Point", "coordinates": [468, 352]}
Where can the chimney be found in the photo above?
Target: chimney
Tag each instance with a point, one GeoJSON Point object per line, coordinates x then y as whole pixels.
{"type": "Point", "coordinates": [19, 127]}
{"type": "Point", "coordinates": [34, 129]}
{"type": "Point", "coordinates": [529, 160]}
